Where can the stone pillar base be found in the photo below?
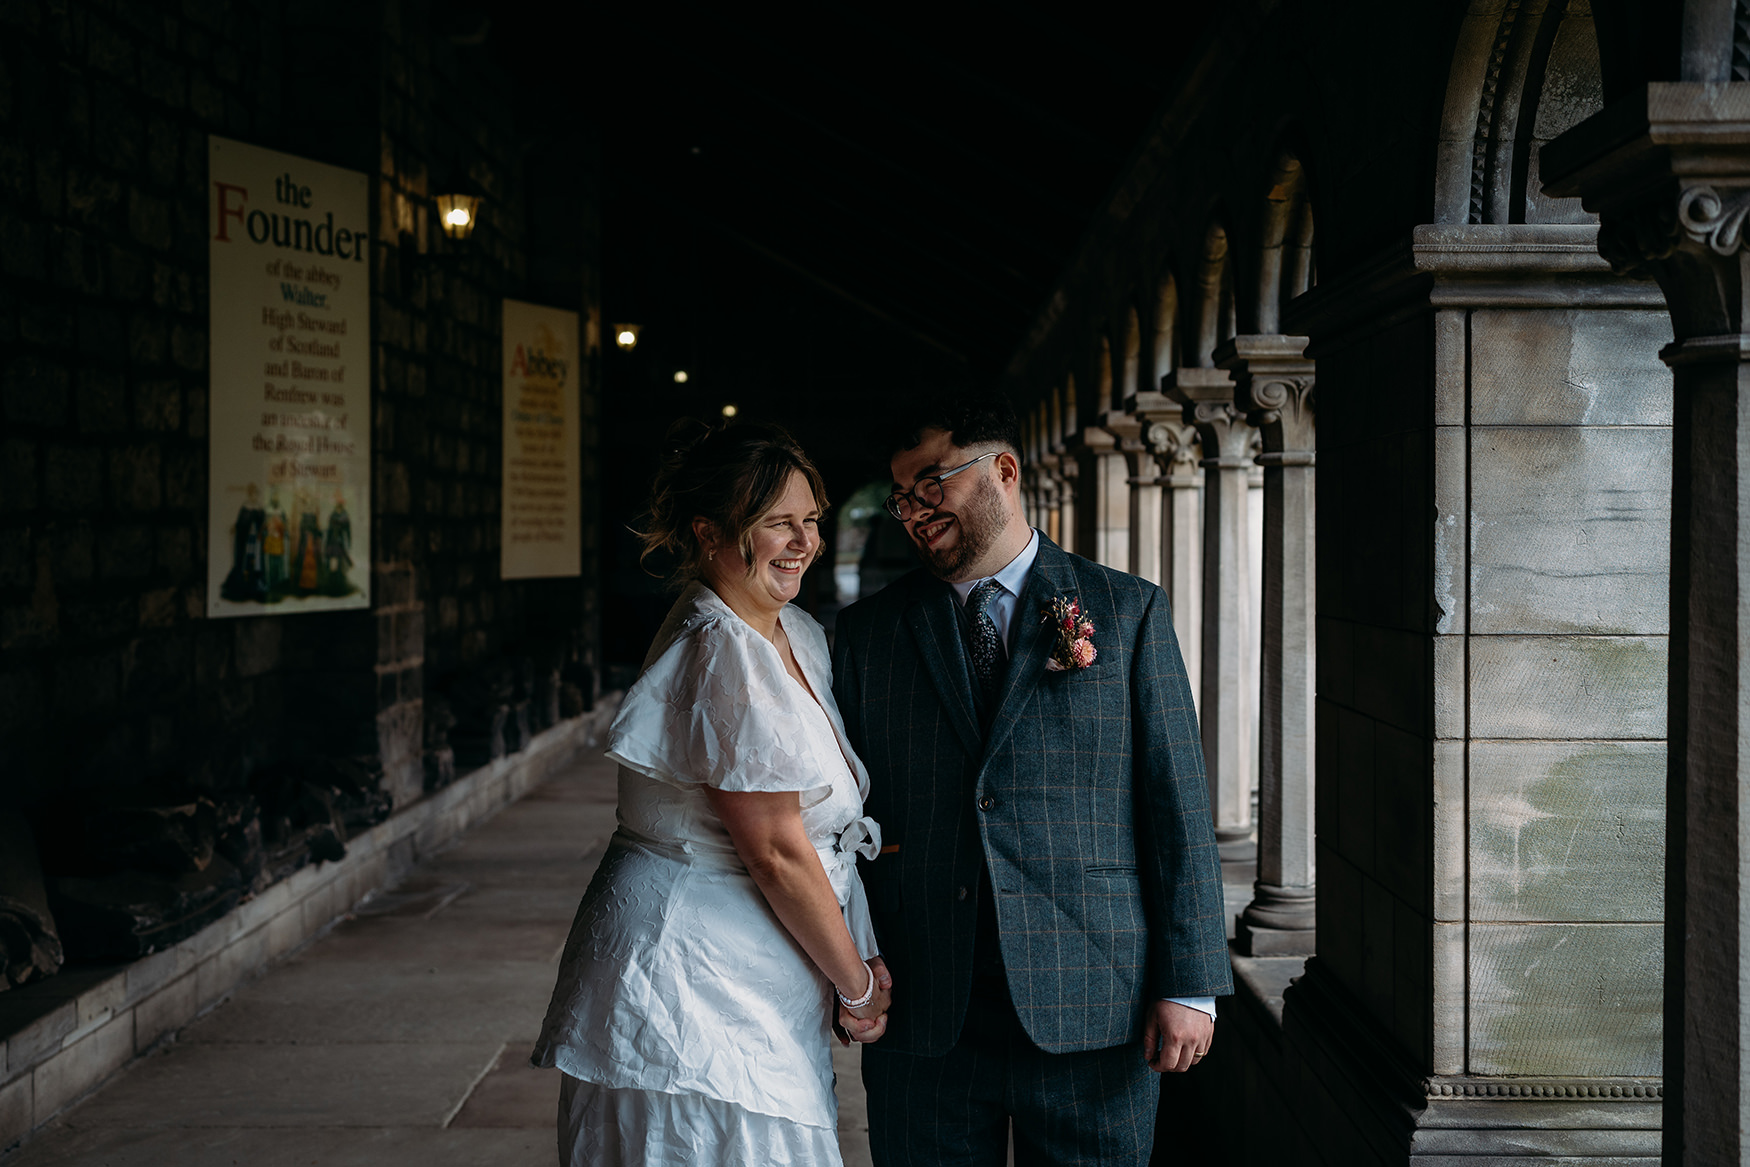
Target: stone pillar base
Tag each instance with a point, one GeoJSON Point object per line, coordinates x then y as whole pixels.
{"type": "Point", "coordinates": [1236, 844]}
{"type": "Point", "coordinates": [1278, 922]}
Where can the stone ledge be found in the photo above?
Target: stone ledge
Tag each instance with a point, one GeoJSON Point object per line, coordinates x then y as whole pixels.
{"type": "Point", "coordinates": [1312, 1071]}
{"type": "Point", "coordinates": [63, 1038]}
{"type": "Point", "coordinates": [1259, 981]}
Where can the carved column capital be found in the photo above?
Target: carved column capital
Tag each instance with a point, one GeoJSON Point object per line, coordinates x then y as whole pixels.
{"type": "Point", "coordinates": [1273, 385]}
{"type": "Point", "coordinates": [1173, 444]}
{"type": "Point", "coordinates": [1667, 171]}
{"type": "Point", "coordinates": [1635, 237]}
{"type": "Point", "coordinates": [1207, 396]}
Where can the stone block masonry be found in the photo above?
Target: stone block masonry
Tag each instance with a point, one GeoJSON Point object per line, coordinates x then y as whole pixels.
{"type": "Point", "coordinates": [103, 395]}
{"type": "Point", "coordinates": [60, 1039]}
{"type": "Point", "coordinates": [111, 678]}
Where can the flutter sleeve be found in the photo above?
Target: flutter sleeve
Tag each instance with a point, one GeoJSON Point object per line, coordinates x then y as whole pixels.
{"type": "Point", "coordinates": [710, 711]}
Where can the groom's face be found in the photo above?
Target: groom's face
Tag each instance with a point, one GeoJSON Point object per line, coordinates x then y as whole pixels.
{"type": "Point", "coordinates": [952, 539]}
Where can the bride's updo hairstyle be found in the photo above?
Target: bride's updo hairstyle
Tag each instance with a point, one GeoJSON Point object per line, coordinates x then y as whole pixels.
{"type": "Point", "coordinates": [730, 476]}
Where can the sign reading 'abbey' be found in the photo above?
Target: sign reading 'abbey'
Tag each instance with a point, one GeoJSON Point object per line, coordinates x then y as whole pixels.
{"type": "Point", "coordinates": [290, 418]}
{"type": "Point", "coordinates": [542, 532]}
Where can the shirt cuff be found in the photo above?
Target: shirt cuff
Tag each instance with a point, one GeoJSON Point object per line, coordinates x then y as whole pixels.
{"type": "Point", "coordinates": [1204, 1004]}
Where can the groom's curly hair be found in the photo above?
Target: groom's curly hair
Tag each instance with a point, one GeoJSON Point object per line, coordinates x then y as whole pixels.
{"type": "Point", "coordinates": [728, 475]}
{"type": "Point", "coordinates": [970, 415]}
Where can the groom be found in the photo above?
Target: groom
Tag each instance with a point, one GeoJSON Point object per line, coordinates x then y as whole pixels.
{"type": "Point", "coordinates": [1049, 897]}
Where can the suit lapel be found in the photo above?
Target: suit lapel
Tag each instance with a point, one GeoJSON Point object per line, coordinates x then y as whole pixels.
{"type": "Point", "coordinates": [1052, 575]}
{"type": "Point", "coordinates": [936, 626]}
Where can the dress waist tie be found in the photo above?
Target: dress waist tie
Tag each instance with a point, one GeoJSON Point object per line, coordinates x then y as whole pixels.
{"type": "Point", "coordinates": [862, 836]}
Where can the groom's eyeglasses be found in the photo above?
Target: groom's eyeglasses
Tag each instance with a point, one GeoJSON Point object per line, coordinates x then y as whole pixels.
{"type": "Point", "coordinates": [925, 493]}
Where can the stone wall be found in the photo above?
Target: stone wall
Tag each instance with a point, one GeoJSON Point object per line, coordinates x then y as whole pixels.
{"type": "Point", "coordinates": [111, 677]}
{"type": "Point", "coordinates": [108, 670]}
{"type": "Point", "coordinates": [1493, 466]}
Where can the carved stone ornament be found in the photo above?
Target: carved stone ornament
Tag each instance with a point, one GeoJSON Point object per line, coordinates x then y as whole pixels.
{"type": "Point", "coordinates": [1270, 397]}
{"type": "Point", "coordinates": [1174, 447]}
{"type": "Point", "coordinates": [1650, 231]}
{"type": "Point", "coordinates": [1715, 219]}
{"type": "Point", "coordinates": [1552, 1088]}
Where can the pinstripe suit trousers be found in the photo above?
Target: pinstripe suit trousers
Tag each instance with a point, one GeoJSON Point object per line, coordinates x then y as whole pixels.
{"type": "Point", "coordinates": [1095, 1107]}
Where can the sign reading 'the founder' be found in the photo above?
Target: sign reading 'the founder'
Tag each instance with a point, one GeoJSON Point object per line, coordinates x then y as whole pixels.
{"type": "Point", "coordinates": [543, 523]}
{"type": "Point", "coordinates": [290, 453]}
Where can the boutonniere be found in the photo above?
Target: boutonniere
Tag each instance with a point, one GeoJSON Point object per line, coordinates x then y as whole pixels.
{"type": "Point", "coordinates": [1073, 649]}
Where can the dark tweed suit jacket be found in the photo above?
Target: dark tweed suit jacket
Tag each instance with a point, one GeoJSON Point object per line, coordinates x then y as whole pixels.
{"type": "Point", "coordinates": [1087, 798]}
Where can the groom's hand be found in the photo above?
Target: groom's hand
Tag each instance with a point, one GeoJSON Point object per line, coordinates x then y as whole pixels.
{"type": "Point", "coordinates": [1175, 1037]}
{"type": "Point", "coordinates": [870, 1028]}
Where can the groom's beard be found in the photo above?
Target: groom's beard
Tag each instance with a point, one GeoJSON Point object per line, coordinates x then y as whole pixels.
{"type": "Point", "coordinates": [979, 521]}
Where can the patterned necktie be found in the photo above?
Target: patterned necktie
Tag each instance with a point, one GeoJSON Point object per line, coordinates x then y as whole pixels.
{"type": "Point", "coordinates": [989, 661]}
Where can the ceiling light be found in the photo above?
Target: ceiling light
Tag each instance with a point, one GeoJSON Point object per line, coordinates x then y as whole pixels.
{"type": "Point", "coordinates": [626, 335]}
{"type": "Point", "coordinates": [730, 411]}
{"type": "Point", "coordinates": [680, 376]}
{"type": "Point", "coordinates": [457, 214]}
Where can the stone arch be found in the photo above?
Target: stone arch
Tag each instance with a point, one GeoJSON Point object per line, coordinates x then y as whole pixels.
{"type": "Point", "coordinates": [1521, 75]}
{"type": "Point", "coordinates": [1215, 298]}
{"type": "Point", "coordinates": [1105, 391]}
{"type": "Point", "coordinates": [1130, 360]}
{"type": "Point", "coordinates": [1285, 242]}
{"type": "Point", "coordinates": [1166, 327]}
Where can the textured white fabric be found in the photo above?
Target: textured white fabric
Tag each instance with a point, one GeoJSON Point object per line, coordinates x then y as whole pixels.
{"type": "Point", "coordinates": [677, 977]}
{"type": "Point", "coordinates": [603, 1127]}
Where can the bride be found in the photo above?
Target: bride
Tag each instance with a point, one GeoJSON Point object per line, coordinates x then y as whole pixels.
{"type": "Point", "coordinates": [695, 994]}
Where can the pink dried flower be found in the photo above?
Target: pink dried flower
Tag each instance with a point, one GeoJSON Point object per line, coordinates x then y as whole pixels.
{"type": "Point", "coordinates": [1073, 648]}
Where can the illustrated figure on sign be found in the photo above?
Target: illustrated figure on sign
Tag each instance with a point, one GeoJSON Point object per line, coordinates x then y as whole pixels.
{"type": "Point", "coordinates": [308, 560]}
{"type": "Point", "coordinates": [339, 545]}
{"type": "Point", "coordinates": [275, 542]}
{"type": "Point", "coordinates": [247, 580]}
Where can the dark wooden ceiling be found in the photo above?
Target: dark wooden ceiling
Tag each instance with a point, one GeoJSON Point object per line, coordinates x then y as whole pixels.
{"type": "Point", "coordinates": [933, 170]}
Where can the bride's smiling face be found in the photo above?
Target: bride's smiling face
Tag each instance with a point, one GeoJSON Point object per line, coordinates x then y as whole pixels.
{"type": "Point", "coordinates": [784, 543]}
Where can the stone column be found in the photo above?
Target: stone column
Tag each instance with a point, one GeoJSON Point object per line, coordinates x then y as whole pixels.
{"type": "Point", "coordinates": [1173, 446]}
{"type": "Point", "coordinates": [1667, 169]}
{"type": "Point", "coordinates": [1101, 521]}
{"type": "Point", "coordinates": [1059, 503]}
{"type": "Point", "coordinates": [1143, 496]}
{"type": "Point", "coordinates": [1208, 398]}
{"type": "Point", "coordinates": [1145, 514]}
{"type": "Point", "coordinates": [1274, 387]}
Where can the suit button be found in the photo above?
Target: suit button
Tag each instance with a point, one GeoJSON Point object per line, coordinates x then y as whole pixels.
{"type": "Point", "coordinates": [961, 894]}
{"type": "Point", "coordinates": [986, 802]}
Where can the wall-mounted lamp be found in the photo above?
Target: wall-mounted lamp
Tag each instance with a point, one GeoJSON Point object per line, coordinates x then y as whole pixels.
{"type": "Point", "coordinates": [626, 335]}
{"type": "Point", "coordinates": [680, 376]}
{"type": "Point", "coordinates": [457, 214]}
{"type": "Point", "coordinates": [730, 411]}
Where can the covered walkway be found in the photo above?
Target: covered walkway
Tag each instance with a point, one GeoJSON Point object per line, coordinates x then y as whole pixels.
{"type": "Point", "coordinates": [399, 1037]}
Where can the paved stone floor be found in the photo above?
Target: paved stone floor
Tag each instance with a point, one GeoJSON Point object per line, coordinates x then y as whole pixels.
{"type": "Point", "coordinates": [400, 1037]}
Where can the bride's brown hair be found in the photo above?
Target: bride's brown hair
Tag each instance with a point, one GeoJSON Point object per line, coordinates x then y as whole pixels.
{"type": "Point", "coordinates": [730, 476]}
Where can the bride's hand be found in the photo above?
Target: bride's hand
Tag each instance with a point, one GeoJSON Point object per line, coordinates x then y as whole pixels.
{"type": "Point", "coordinates": [869, 1022]}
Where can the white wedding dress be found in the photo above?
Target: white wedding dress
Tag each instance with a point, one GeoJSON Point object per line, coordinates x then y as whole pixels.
{"type": "Point", "coordinates": [692, 1027]}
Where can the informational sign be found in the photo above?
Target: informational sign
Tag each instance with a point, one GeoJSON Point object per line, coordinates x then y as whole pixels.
{"type": "Point", "coordinates": [543, 495]}
{"type": "Point", "coordinates": [289, 463]}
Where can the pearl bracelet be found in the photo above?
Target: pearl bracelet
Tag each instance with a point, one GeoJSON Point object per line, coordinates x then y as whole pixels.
{"type": "Point", "coordinates": [860, 1001]}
